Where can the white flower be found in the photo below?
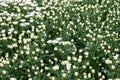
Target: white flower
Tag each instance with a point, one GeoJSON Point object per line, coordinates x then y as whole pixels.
{"type": "Point", "coordinates": [80, 50]}
{"type": "Point", "coordinates": [59, 38]}
{"type": "Point", "coordinates": [99, 74]}
{"type": "Point", "coordinates": [30, 79]}
{"type": "Point", "coordinates": [56, 67]}
{"type": "Point", "coordinates": [117, 79]}
{"type": "Point", "coordinates": [79, 60]}
{"type": "Point", "coordinates": [86, 53]}
{"type": "Point", "coordinates": [76, 73]}
{"type": "Point", "coordinates": [1, 64]}
{"type": "Point", "coordinates": [116, 56]}
{"type": "Point", "coordinates": [1, 19]}
{"type": "Point", "coordinates": [35, 58]}
{"type": "Point", "coordinates": [46, 68]}
{"type": "Point", "coordinates": [4, 72]}
{"type": "Point", "coordinates": [89, 75]}
{"type": "Point", "coordinates": [37, 49]}
{"type": "Point", "coordinates": [64, 62]}
{"type": "Point", "coordinates": [74, 58]}
{"type": "Point", "coordinates": [55, 48]}
{"type": "Point", "coordinates": [84, 66]}
{"type": "Point", "coordinates": [108, 61]}
{"type": "Point", "coordinates": [54, 41]}
{"type": "Point", "coordinates": [69, 58]}
{"type": "Point", "coordinates": [9, 18]}
{"type": "Point", "coordinates": [68, 65]}
{"type": "Point", "coordinates": [13, 79]}
{"type": "Point", "coordinates": [35, 72]}
{"type": "Point", "coordinates": [38, 8]}
{"type": "Point", "coordinates": [22, 20]}
{"type": "Point", "coordinates": [93, 71]}
{"type": "Point", "coordinates": [64, 75]}
{"type": "Point", "coordinates": [88, 35]}
{"type": "Point", "coordinates": [65, 43]}
{"type": "Point", "coordinates": [52, 78]}
{"type": "Point", "coordinates": [3, 31]}
{"type": "Point", "coordinates": [113, 67]}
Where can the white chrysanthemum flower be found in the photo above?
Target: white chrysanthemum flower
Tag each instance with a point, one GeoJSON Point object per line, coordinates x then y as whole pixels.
{"type": "Point", "coordinates": [112, 67]}
{"type": "Point", "coordinates": [55, 41]}
{"type": "Point", "coordinates": [4, 71]}
{"type": "Point", "coordinates": [49, 41]}
{"type": "Point", "coordinates": [59, 38]}
{"type": "Point", "coordinates": [56, 67]}
{"type": "Point", "coordinates": [1, 64]}
{"type": "Point", "coordinates": [86, 53]}
{"type": "Point", "coordinates": [76, 73]}
{"type": "Point", "coordinates": [68, 58]}
{"type": "Point", "coordinates": [55, 48]}
{"type": "Point", "coordinates": [116, 56]}
{"type": "Point", "coordinates": [13, 79]}
{"type": "Point", "coordinates": [68, 65]}
{"type": "Point", "coordinates": [108, 61]}
{"type": "Point", "coordinates": [63, 74]}
{"type": "Point", "coordinates": [30, 79]}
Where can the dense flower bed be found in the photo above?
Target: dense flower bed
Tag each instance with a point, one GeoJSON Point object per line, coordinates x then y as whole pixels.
{"type": "Point", "coordinates": [60, 40]}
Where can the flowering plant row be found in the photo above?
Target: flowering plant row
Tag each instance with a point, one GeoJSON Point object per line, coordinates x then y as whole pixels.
{"type": "Point", "coordinates": [59, 40]}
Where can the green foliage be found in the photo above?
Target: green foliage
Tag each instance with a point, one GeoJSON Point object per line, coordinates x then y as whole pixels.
{"type": "Point", "coordinates": [60, 40]}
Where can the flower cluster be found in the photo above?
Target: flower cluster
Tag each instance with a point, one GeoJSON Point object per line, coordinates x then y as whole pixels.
{"type": "Point", "coordinates": [59, 40]}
